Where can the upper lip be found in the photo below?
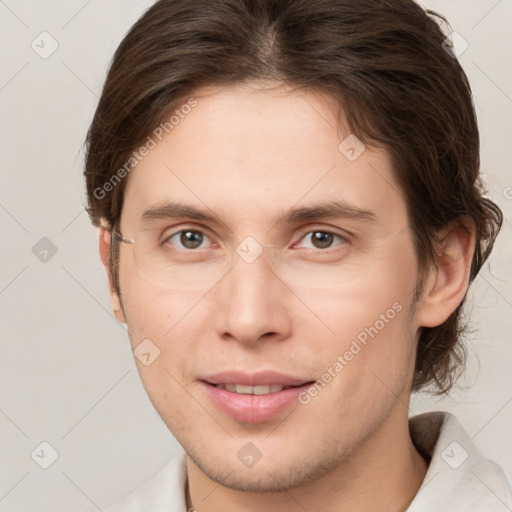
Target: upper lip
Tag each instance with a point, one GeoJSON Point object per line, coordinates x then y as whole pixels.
{"type": "Point", "coordinates": [262, 378]}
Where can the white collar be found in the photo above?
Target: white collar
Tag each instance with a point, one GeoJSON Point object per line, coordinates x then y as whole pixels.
{"type": "Point", "coordinates": [458, 477]}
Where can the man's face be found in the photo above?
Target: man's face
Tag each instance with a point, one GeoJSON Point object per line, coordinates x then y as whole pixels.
{"type": "Point", "coordinates": [306, 295]}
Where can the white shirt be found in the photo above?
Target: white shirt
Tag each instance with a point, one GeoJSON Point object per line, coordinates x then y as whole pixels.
{"type": "Point", "coordinates": [458, 479]}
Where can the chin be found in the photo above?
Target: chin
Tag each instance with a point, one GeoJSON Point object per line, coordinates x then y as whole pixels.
{"type": "Point", "coordinates": [263, 478]}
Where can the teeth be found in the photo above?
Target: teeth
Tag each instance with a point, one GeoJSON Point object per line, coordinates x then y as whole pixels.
{"type": "Point", "coordinates": [244, 390]}
{"type": "Point", "coordinates": [251, 390]}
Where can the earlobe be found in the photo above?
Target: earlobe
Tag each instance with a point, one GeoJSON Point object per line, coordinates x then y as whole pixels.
{"type": "Point", "coordinates": [448, 281]}
{"type": "Point", "coordinates": [104, 247]}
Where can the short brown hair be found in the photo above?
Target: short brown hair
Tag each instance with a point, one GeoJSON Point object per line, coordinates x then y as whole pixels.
{"type": "Point", "coordinates": [382, 60]}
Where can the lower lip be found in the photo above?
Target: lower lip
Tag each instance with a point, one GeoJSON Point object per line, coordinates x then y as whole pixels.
{"type": "Point", "coordinates": [253, 408]}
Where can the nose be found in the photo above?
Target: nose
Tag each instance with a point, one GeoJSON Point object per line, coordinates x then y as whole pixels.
{"type": "Point", "coordinates": [253, 303]}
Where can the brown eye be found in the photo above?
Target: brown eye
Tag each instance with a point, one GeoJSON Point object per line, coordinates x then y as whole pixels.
{"type": "Point", "coordinates": [191, 239]}
{"type": "Point", "coordinates": [187, 239]}
{"type": "Point", "coordinates": [321, 240]}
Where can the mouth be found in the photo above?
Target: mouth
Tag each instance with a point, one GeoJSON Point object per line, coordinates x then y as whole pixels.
{"type": "Point", "coordinates": [243, 389]}
{"type": "Point", "coordinates": [255, 402]}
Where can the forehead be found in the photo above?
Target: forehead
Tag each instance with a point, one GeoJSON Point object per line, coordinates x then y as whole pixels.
{"type": "Point", "coordinates": [253, 150]}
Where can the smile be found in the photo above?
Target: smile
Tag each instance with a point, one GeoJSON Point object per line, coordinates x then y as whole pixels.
{"type": "Point", "coordinates": [252, 390]}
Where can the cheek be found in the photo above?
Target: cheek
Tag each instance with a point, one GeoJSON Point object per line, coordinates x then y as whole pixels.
{"type": "Point", "coordinates": [164, 324]}
{"type": "Point", "coordinates": [165, 321]}
{"type": "Point", "coordinates": [375, 304]}
{"type": "Point", "coordinates": [371, 338]}
{"type": "Point", "coordinates": [152, 310]}
{"type": "Point", "coordinates": [368, 332]}
{"type": "Point", "coordinates": [364, 366]}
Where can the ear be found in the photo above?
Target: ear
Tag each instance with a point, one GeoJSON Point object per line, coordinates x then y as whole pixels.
{"type": "Point", "coordinates": [104, 243]}
{"type": "Point", "coordinates": [448, 282]}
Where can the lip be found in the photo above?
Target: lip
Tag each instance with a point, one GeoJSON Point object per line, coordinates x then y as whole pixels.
{"type": "Point", "coordinates": [262, 378]}
{"type": "Point", "coordinates": [254, 408]}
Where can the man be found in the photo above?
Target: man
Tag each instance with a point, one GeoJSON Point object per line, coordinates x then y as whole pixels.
{"type": "Point", "coordinates": [290, 216]}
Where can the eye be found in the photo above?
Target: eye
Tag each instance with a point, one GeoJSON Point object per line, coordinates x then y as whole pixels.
{"type": "Point", "coordinates": [188, 239]}
{"type": "Point", "coordinates": [320, 239]}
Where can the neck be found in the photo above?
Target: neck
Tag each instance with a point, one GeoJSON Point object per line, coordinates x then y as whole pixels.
{"type": "Point", "coordinates": [383, 473]}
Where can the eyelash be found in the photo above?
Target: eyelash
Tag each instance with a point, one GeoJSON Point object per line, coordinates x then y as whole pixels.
{"type": "Point", "coordinates": [302, 236]}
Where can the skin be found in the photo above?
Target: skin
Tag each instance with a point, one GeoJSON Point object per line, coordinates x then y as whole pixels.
{"type": "Point", "coordinates": [250, 152]}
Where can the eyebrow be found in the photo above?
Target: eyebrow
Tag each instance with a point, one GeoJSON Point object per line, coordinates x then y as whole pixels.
{"type": "Point", "coordinates": [172, 209]}
{"type": "Point", "coordinates": [329, 210]}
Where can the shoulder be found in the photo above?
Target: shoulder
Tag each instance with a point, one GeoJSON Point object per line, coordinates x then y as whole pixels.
{"type": "Point", "coordinates": [459, 478]}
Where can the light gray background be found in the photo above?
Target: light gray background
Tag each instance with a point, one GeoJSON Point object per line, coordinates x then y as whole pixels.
{"type": "Point", "coordinates": [67, 373]}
